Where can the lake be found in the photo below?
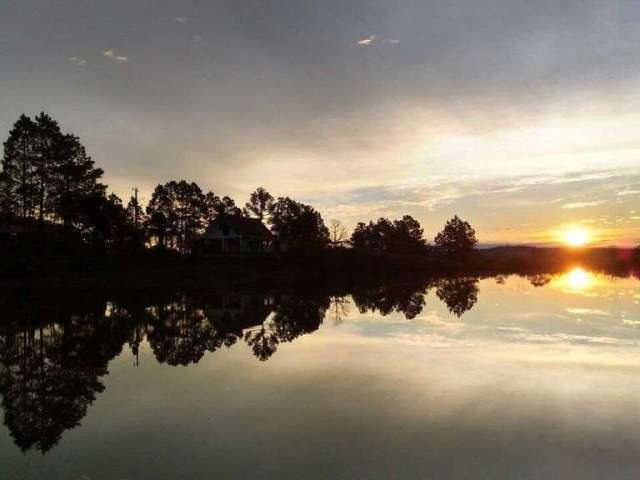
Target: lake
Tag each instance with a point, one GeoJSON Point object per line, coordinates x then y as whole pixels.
{"type": "Point", "coordinates": [506, 377]}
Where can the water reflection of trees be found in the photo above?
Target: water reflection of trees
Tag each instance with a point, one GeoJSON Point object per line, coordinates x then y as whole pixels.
{"type": "Point", "coordinates": [292, 317]}
{"type": "Point", "coordinates": [408, 299]}
{"type": "Point", "coordinates": [178, 332]}
{"type": "Point", "coordinates": [51, 370]}
{"type": "Point", "coordinates": [459, 294]}
{"type": "Point", "coordinates": [54, 353]}
{"type": "Point", "coordinates": [539, 280]}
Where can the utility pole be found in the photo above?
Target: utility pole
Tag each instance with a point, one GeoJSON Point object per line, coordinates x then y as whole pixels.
{"type": "Point", "coordinates": [135, 215]}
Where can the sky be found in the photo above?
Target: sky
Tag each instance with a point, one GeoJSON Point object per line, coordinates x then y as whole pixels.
{"type": "Point", "coordinates": [522, 117]}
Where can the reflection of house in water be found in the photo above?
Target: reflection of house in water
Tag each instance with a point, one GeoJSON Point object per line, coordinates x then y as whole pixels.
{"type": "Point", "coordinates": [236, 234]}
{"type": "Point", "coordinates": [238, 311]}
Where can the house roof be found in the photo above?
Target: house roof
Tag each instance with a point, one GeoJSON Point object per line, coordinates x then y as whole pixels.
{"type": "Point", "coordinates": [245, 226]}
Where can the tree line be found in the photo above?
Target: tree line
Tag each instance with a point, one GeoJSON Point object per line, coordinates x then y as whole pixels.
{"type": "Point", "coordinates": [47, 178]}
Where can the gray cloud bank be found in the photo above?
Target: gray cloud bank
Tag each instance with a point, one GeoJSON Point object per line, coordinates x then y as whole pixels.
{"type": "Point", "coordinates": [281, 94]}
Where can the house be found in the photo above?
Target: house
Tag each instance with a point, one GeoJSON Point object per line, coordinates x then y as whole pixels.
{"type": "Point", "coordinates": [236, 234]}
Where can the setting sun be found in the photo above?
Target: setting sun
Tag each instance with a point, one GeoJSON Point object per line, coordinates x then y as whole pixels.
{"type": "Point", "coordinates": [576, 237]}
{"type": "Point", "coordinates": [578, 279]}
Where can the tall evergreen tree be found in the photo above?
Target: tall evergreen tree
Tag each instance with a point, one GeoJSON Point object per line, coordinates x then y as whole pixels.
{"type": "Point", "coordinates": [259, 204]}
{"type": "Point", "coordinates": [16, 189]}
{"type": "Point", "coordinates": [136, 214]}
{"type": "Point", "coordinates": [45, 173]}
{"type": "Point", "coordinates": [75, 178]}
{"type": "Point", "coordinates": [457, 237]}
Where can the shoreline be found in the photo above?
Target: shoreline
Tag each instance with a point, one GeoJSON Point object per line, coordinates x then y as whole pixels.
{"type": "Point", "coordinates": [332, 267]}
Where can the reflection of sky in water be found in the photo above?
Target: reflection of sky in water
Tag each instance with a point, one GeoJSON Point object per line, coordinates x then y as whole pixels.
{"type": "Point", "coordinates": [575, 310]}
{"type": "Point", "coordinates": [532, 382]}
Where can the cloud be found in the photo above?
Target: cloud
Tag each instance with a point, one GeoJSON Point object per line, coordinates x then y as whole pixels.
{"type": "Point", "coordinates": [118, 58]}
{"type": "Point", "coordinates": [628, 191]}
{"type": "Point", "coordinates": [365, 42]}
{"type": "Point", "coordinates": [77, 61]}
{"type": "Point", "coordinates": [370, 40]}
{"type": "Point", "coordinates": [588, 311]}
{"type": "Point", "coordinates": [583, 204]}
{"type": "Point", "coordinates": [182, 19]}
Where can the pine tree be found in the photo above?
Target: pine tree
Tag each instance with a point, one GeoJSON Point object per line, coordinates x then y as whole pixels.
{"type": "Point", "coordinates": [259, 204]}
{"type": "Point", "coordinates": [45, 173]}
{"type": "Point", "coordinates": [16, 188]}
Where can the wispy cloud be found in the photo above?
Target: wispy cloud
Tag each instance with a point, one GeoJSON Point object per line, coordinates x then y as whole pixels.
{"type": "Point", "coordinates": [77, 61]}
{"type": "Point", "coordinates": [583, 204]}
{"type": "Point", "coordinates": [365, 42]}
{"type": "Point", "coordinates": [628, 191]}
{"type": "Point", "coordinates": [182, 19]}
{"type": "Point", "coordinates": [108, 53]}
{"type": "Point", "coordinates": [588, 311]}
{"type": "Point", "coordinates": [371, 39]}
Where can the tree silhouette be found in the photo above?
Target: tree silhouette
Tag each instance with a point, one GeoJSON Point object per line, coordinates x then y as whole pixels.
{"type": "Point", "coordinates": [45, 173]}
{"type": "Point", "coordinates": [298, 226]}
{"type": "Point", "coordinates": [402, 236]}
{"type": "Point", "coordinates": [74, 179]}
{"type": "Point", "coordinates": [18, 187]}
{"type": "Point", "coordinates": [139, 221]}
{"type": "Point", "coordinates": [337, 232]}
{"type": "Point", "coordinates": [105, 221]}
{"type": "Point", "coordinates": [158, 227]}
{"type": "Point", "coordinates": [406, 236]}
{"type": "Point", "coordinates": [226, 206]}
{"type": "Point", "coordinates": [8, 207]}
{"type": "Point", "coordinates": [259, 204]}
{"type": "Point", "coordinates": [214, 206]}
{"type": "Point", "coordinates": [457, 237]}
{"type": "Point", "coordinates": [367, 238]}
{"type": "Point", "coordinates": [177, 213]}
{"type": "Point", "coordinates": [136, 214]}
{"type": "Point", "coordinates": [210, 204]}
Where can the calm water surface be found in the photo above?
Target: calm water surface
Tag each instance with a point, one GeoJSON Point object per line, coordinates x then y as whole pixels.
{"type": "Point", "coordinates": [508, 377]}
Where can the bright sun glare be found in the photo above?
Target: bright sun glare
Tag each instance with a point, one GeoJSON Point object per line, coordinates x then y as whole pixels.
{"type": "Point", "coordinates": [576, 237]}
